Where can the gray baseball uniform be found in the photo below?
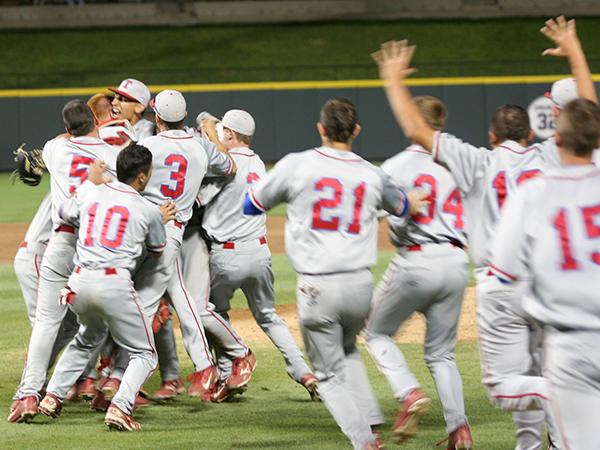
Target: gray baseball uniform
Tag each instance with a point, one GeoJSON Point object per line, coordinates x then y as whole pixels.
{"type": "Point", "coordinates": [428, 274]}
{"type": "Point", "coordinates": [67, 161]}
{"type": "Point", "coordinates": [116, 224]}
{"type": "Point", "coordinates": [548, 235]}
{"type": "Point", "coordinates": [486, 179]}
{"type": "Point", "coordinates": [331, 239]}
{"type": "Point", "coordinates": [144, 128]}
{"type": "Point", "coordinates": [240, 258]}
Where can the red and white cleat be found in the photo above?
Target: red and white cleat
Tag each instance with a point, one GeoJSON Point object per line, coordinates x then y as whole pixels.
{"type": "Point", "coordinates": [116, 419]}
{"type": "Point", "coordinates": [50, 405]}
{"type": "Point", "coordinates": [241, 371]}
{"type": "Point", "coordinates": [23, 410]}
{"type": "Point", "coordinates": [110, 388]}
{"type": "Point", "coordinates": [311, 383]}
{"type": "Point", "coordinates": [414, 406]}
{"type": "Point", "coordinates": [169, 390]}
{"type": "Point", "coordinates": [223, 393]}
{"type": "Point", "coordinates": [203, 382]}
{"type": "Point", "coordinates": [99, 403]}
{"type": "Point", "coordinates": [460, 439]}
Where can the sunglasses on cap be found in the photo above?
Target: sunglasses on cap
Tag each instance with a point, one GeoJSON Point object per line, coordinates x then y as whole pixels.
{"type": "Point", "coordinates": [122, 98]}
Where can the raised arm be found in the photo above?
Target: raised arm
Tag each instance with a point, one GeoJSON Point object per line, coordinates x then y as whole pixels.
{"type": "Point", "coordinates": [394, 59]}
{"type": "Point", "coordinates": [208, 124]}
{"type": "Point", "coordinates": [564, 36]}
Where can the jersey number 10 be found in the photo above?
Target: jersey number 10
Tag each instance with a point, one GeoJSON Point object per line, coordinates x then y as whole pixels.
{"type": "Point", "coordinates": [112, 242]}
{"type": "Point", "coordinates": [333, 224]}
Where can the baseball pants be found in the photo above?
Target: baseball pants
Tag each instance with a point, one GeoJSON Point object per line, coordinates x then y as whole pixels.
{"type": "Point", "coordinates": [195, 269]}
{"type": "Point", "coordinates": [505, 345]}
{"type": "Point", "coordinates": [248, 267]}
{"type": "Point", "coordinates": [332, 310]}
{"type": "Point", "coordinates": [50, 316]}
{"type": "Point", "coordinates": [431, 281]}
{"type": "Point", "coordinates": [572, 367]}
{"type": "Point", "coordinates": [107, 302]}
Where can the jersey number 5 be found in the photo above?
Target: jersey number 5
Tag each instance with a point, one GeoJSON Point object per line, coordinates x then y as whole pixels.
{"type": "Point", "coordinates": [106, 241]}
{"type": "Point", "coordinates": [79, 169]}
{"type": "Point", "coordinates": [333, 224]}
{"type": "Point", "coordinates": [561, 224]}
{"type": "Point", "coordinates": [177, 175]}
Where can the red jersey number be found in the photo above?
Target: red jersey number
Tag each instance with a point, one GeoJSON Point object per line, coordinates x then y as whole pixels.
{"type": "Point", "coordinates": [177, 175]}
{"type": "Point", "coordinates": [116, 238]}
{"type": "Point", "coordinates": [592, 227]}
{"type": "Point", "coordinates": [79, 171]}
{"type": "Point", "coordinates": [334, 186]}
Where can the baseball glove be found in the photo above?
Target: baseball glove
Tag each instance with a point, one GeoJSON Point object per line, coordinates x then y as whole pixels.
{"type": "Point", "coordinates": [30, 165]}
{"type": "Point", "coordinates": [162, 315]}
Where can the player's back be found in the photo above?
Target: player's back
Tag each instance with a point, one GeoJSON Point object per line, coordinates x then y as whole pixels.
{"type": "Point", "coordinates": [486, 179]}
{"type": "Point", "coordinates": [179, 164]}
{"type": "Point", "coordinates": [224, 218]}
{"type": "Point", "coordinates": [562, 211]}
{"type": "Point", "coordinates": [68, 161]}
{"type": "Point", "coordinates": [443, 219]}
{"type": "Point", "coordinates": [333, 199]}
{"type": "Point", "coordinates": [116, 224]}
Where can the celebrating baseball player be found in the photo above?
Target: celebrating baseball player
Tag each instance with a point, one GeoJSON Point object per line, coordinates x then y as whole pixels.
{"type": "Point", "coordinates": [115, 225]}
{"type": "Point", "coordinates": [485, 179]}
{"type": "Point", "coordinates": [333, 196]}
{"type": "Point", "coordinates": [239, 256]}
{"type": "Point", "coordinates": [67, 161]}
{"type": "Point", "coordinates": [428, 274]}
{"type": "Point", "coordinates": [131, 100]}
{"type": "Point", "coordinates": [547, 236]}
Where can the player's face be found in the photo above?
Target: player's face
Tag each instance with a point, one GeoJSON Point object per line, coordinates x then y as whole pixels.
{"type": "Point", "coordinates": [124, 108]}
{"type": "Point", "coordinates": [228, 138]}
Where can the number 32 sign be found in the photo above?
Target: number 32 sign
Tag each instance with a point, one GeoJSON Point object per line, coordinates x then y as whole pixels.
{"type": "Point", "coordinates": [540, 116]}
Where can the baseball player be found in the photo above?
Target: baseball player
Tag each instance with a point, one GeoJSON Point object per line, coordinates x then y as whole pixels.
{"type": "Point", "coordinates": [67, 161]}
{"type": "Point", "coordinates": [333, 197]}
{"type": "Point", "coordinates": [179, 165]}
{"type": "Point", "coordinates": [547, 236]}
{"type": "Point", "coordinates": [428, 274]}
{"type": "Point", "coordinates": [485, 180]}
{"type": "Point", "coordinates": [239, 256]}
{"type": "Point", "coordinates": [115, 225]}
{"type": "Point", "coordinates": [130, 101]}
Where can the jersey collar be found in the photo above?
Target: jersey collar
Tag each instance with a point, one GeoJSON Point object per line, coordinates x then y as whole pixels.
{"type": "Point", "coordinates": [338, 154]}
{"type": "Point", "coordinates": [242, 151]}
{"type": "Point", "coordinates": [175, 134]}
{"type": "Point", "coordinates": [121, 187]}
{"type": "Point", "coordinates": [86, 140]}
{"type": "Point", "coordinates": [513, 147]}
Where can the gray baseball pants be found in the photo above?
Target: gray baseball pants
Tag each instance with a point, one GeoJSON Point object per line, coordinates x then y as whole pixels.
{"type": "Point", "coordinates": [248, 267]}
{"type": "Point", "coordinates": [50, 317]}
{"type": "Point", "coordinates": [332, 310]}
{"type": "Point", "coordinates": [107, 302]}
{"type": "Point", "coordinates": [431, 281]}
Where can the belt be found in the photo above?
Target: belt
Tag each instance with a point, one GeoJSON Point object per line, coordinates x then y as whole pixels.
{"type": "Point", "coordinates": [107, 271]}
{"type": "Point", "coordinates": [231, 245]}
{"type": "Point", "coordinates": [65, 229]}
{"type": "Point", "coordinates": [419, 247]}
{"type": "Point", "coordinates": [178, 224]}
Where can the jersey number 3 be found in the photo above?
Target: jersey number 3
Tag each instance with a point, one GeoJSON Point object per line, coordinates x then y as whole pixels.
{"type": "Point", "coordinates": [333, 223]}
{"type": "Point", "coordinates": [177, 175]}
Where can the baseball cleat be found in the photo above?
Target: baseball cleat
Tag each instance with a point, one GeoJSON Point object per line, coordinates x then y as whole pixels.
{"type": "Point", "coordinates": [141, 400]}
{"type": "Point", "coordinates": [223, 393]}
{"type": "Point", "coordinates": [116, 419]}
{"type": "Point", "coordinates": [23, 410]}
{"type": "Point", "coordinates": [99, 402]}
{"type": "Point", "coordinates": [50, 405]}
{"type": "Point", "coordinates": [84, 389]}
{"type": "Point", "coordinates": [311, 384]}
{"type": "Point", "coordinates": [241, 371]}
{"type": "Point", "coordinates": [414, 406]}
{"type": "Point", "coordinates": [203, 382]}
{"type": "Point", "coordinates": [460, 439]}
{"type": "Point", "coordinates": [169, 390]}
{"type": "Point", "coordinates": [379, 442]}
{"type": "Point", "coordinates": [110, 388]}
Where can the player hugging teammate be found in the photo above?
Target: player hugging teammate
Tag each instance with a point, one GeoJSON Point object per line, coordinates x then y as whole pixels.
{"type": "Point", "coordinates": [161, 223]}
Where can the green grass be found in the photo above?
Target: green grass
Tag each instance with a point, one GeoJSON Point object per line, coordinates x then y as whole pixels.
{"type": "Point", "coordinates": [273, 413]}
{"type": "Point", "coordinates": [230, 53]}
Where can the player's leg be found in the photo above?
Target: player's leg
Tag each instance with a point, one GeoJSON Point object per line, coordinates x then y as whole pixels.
{"type": "Point", "coordinates": [320, 301]}
{"type": "Point", "coordinates": [168, 362]}
{"type": "Point", "coordinates": [442, 321]}
{"type": "Point", "coordinates": [258, 287]}
{"type": "Point", "coordinates": [27, 269]}
{"type": "Point", "coordinates": [572, 367]}
{"type": "Point", "coordinates": [56, 268]}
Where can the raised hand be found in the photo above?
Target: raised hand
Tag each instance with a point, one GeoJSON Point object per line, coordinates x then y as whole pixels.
{"type": "Point", "coordinates": [563, 34]}
{"type": "Point", "coordinates": [394, 60]}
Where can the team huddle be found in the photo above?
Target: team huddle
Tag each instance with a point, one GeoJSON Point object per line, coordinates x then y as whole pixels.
{"type": "Point", "coordinates": [148, 216]}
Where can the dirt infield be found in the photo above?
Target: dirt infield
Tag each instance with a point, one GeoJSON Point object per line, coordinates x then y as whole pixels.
{"type": "Point", "coordinates": [412, 332]}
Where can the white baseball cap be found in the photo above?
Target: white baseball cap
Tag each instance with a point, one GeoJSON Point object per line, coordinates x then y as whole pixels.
{"type": "Point", "coordinates": [134, 90]}
{"type": "Point", "coordinates": [563, 91]}
{"type": "Point", "coordinates": [169, 105]}
{"type": "Point", "coordinates": [239, 121]}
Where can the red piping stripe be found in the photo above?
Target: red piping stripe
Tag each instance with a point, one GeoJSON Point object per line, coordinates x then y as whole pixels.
{"type": "Point", "coordinates": [255, 201]}
{"type": "Point", "coordinates": [219, 319]}
{"type": "Point", "coordinates": [502, 272]}
{"type": "Point", "coordinates": [336, 158]}
{"type": "Point", "coordinates": [528, 394]}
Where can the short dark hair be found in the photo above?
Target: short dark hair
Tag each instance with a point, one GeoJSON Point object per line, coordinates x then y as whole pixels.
{"type": "Point", "coordinates": [338, 117]}
{"type": "Point", "coordinates": [433, 110]}
{"type": "Point", "coordinates": [132, 160]}
{"type": "Point", "coordinates": [78, 118]}
{"type": "Point", "coordinates": [578, 126]}
{"type": "Point", "coordinates": [510, 122]}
